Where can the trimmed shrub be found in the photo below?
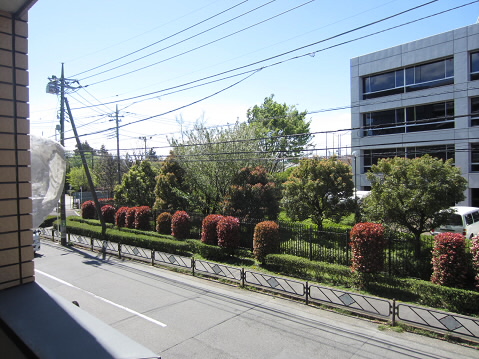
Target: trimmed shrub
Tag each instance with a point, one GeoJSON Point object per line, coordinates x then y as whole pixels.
{"type": "Point", "coordinates": [265, 239]}
{"type": "Point", "coordinates": [142, 218]}
{"type": "Point", "coordinates": [108, 213]}
{"type": "Point", "coordinates": [207, 251]}
{"type": "Point", "coordinates": [449, 260]}
{"type": "Point", "coordinates": [88, 210]}
{"type": "Point", "coordinates": [163, 223]}
{"type": "Point", "coordinates": [367, 246]}
{"type": "Point", "coordinates": [130, 217]}
{"type": "Point", "coordinates": [209, 225]}
{"type": "Point", "coordinates": [120, 217]}
{"type": "Point", "coordinates": [180, 225]}
{"type": "Point", "coordinates": [475, 258]}
{"type": "Point", "coordinates": [228, 231]}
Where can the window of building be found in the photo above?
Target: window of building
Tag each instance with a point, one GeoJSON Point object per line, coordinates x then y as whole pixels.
{"type": "Point", "coordinates": [474, 59]}
{"type": "Point", "coordinates": [436, 116]}
{"type": "Point", "coordinates": [474, 157]}
{"type": "Point", "coordinates": [414, 78]}
{"type": "Point", "coordinates": [371, 157]}
{"type": "Point", "coordinates": [429, 75]}
{"type": "Point", "coordinates": [383, 122]}
{"type": "Point", "coordinates": [474, 111]}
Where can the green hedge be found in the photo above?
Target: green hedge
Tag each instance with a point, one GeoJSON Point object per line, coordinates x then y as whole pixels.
{"type": "Point", "coordinates": [130, 237]}
{"type": "Point", "coordinates": [408, 290]}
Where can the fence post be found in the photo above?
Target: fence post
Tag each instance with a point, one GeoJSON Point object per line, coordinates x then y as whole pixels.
{"type": "Point", "coordinates": [53, 234]}
{"type": "Point", "coordinates": [311, 242]}
{"type": "Point", "coordinates": [307, 293]}
{"type": "Point", "coordinates": [348, 235]}
{"type": "Point", "coordinates": [390, 254]}
{"type": "Point", "coordinates": [152, 257]}
{"type": "Point", "coordinates": [193, 265]}
{"type": "Point", "coordinates": [393, 323]}
{"type": "Point", "coordinates": [243, 275]}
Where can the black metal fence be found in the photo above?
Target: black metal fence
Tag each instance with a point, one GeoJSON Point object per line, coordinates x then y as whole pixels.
{"type": "Point", "coordinates": [332, 246]}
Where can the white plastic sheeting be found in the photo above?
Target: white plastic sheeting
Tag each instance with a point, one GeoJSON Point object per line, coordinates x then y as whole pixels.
{"type": "Point", "coordinates": [48, 176]}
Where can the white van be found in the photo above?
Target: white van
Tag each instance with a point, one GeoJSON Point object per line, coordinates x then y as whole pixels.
{"type": "Point", "coordinates": [464, 220]}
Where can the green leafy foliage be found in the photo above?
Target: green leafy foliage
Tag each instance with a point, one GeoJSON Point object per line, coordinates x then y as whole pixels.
{"type": "Point", "coordinates": [88, 210]}
{"type": "Point", "coordinates": [180, 225]}
{"type": "Point", "coordinates": [78, 179]}
{"type": "Point", "coordinates": [137, 186]}
{"type": "Point", "coordinates": [408, 193]}
{"type": "Point", "coordinates": [209, 234]}
{"type": "Point", "coordinates": [266, 239]}
{"type": "Point", "coordinates": [228, 230]}
{"type": "Point", "coordinates": [108, 213]}
{"type": "Point", "coordinates": [120, 217]}
{"type": "Point", "coordinates": [163, 223]}
{"type": "Point", "coordinates": [449, 260]}
{"type": "Point", "coordinates": [211, 157]}
{"type": "Point", "coordinates": [284, 129]}
{"type": "Point", "coordinates": [171, 188]}
{"type": "Point", "coordinates": [253, 195]}
{"type": "Point", "coordinates": [367, 246]}
{"type": "Point", "coordinates": [318, 188]}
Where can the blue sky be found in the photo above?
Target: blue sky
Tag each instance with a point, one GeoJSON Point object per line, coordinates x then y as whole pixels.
{"type": "Point", "coordinates": [182, 46]}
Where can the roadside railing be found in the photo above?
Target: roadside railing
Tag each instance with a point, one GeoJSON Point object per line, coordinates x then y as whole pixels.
{"type": "Point", "coordinates": [444, 322]}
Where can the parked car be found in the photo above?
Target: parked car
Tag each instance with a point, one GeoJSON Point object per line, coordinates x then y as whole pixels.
{"type": "Point", "coordinates": [463, 220]}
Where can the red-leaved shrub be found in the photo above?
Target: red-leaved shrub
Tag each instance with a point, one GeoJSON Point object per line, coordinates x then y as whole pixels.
{"type": "Point", "coordinates": [88, 210]}
{"type": "Point", "coordinates": [180, 225]}
{"type": "Point", "coordinates": [367, 245]}
{"type": "Point", "coordinates": [108, 213]}
{"type": "Point", "coordinates": [265, 239]}
{"type": "Point", "coordinates": [142, 218]}
{"type": "Point", "coordinates": [449, 260]}
{"type": "Point", "coordinates": [228, 231]}
{"type": "Point", "coordinates": [475, 258]}
{"type": "Point", "coordinates": [120, 218]}
{"type": "Point", "coordinates": [209, 234]}
{"type": "Point", "coordinates": [163, 223]}
{"type": "Point", "coordinates": [130, 217]}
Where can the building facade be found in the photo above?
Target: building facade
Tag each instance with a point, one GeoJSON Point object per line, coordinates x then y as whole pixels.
{"type": "Point", "coordinates": [16, 253]}
{"type": "Point", "coordinates": [419, 98]}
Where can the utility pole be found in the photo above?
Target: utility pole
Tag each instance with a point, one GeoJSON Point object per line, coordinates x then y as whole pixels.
{"type": "Point", "coordinates": [57, 86]}
{"type": "Point", "coordinates": [144, 139]}
{"type": "Point", "coordinates": [118, 144]}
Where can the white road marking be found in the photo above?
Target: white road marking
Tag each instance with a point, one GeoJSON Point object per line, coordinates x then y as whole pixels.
{"type": "Point", "coordinates": [103, 299]}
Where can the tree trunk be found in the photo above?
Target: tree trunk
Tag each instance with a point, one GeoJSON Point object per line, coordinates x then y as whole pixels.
{"type": "Point", "coordinates": [417, 245]}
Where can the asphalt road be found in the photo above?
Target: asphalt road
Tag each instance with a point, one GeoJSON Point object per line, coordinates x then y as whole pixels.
{"type": "Point", "coordinates": [180, 316]}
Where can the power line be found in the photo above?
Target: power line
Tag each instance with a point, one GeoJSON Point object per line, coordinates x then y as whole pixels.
{"type": "Point", "coordinates": [191, 50]}
{"type": "Point", "coordinates": [163, 39]}
{"type": "Point", "coordinates": [303, 55]}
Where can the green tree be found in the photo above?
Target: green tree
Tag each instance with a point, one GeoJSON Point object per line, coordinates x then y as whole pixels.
{"type": "Point", "coordinates": [77, 178]}
{"type": "Point", "coordinates": [106, 170]}
{"type": "Point", "coordinates": [253, 195]}
{"type": "Point", "coordinates": [137, 187]}
{"type": "Point", "coordinates": [318, 189]}
{"type": "Point", "coordinates": [284, 128]}
{"type": "Point", "coordinates": [211, 157]}
{"type": "Point", "coordinates": [408, 193]}
{"type": "Point", "coordinates": [171, 189]}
